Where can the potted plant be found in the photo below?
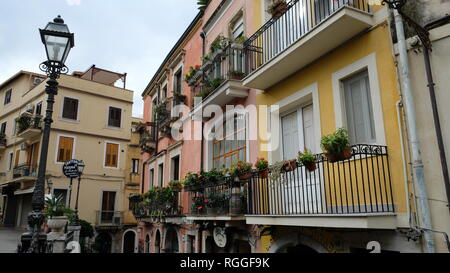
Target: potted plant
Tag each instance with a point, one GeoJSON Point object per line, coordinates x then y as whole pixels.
{"type": "Point", "coordinates": [236, 75]}
{"type": "Point", "coordinates": [55, 212]}
{"type": "Point", "coordinates": [198, 204]}
{"type": "Point", "coordinates": [262, 166]}
{"type": "Point", "coordinates": [278, 8]}
{"type": "Point", "coordinates": [175, 185]}
{"type": "Point", "coordinates": [23, 123]}
{"type": "Point", "coordinates": [214, 176]}
{"type": "Point", "coordinates": [242, 169]}
{"type": "Point", "coordinates": [290, 165]}
{"type": "Point", "coordinates": [337, 146]}
{"type": "Point", "coordinates": [308, 159]}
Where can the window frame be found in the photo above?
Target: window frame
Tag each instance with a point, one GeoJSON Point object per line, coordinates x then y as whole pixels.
{"type": "Point", "coordinates": [118, 155]}
{"type": "Point", "coordinates": [368, 63]}
{"type": "Point", "coordinates": [135, 165]}
{"type": "Point", "coordinates": [41, 105]}
{"type": "Point", "coordinates": [8, 94]}
{"type": "Point", "coordinates": [57, 147]}
{"type": "Point", "coordinates": [62, 109]}
{"type": "Point", "coordinates": [108, 117]}
{"type": "Point", "coordinates": [3, 127]}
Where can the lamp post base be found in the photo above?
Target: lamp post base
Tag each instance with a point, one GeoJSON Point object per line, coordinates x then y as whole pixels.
{"type": "Point", "coordinates": [26, 240]}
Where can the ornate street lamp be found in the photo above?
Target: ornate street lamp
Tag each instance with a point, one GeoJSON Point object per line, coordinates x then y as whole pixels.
{"type": "Point", "coordinates": [81, 166]}
{"type": "Point", "coordinates": [58, 42]}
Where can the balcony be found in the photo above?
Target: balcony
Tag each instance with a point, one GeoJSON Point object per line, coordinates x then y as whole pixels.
{"type": "Point", "coordinates": [29, 126]}
{"type": "Point", "coordinates": [224, 200]}
{"type": "Point", "coordinates": [24, 173]}
{"type": "Point", "coordinates": [220, 79]}
{"type": "Point", "coordinates": [306, 31]}
{"type": "Point", "coordinates": [158, 205]}
{"type": "Point", "coordinates": [109, 218]}
{"type": "Point", "coordinates": [2, 142]}
{"type": "Point", "coordinates": [148, 138]}
{"type": "Point", "coordinates": [352, 193]}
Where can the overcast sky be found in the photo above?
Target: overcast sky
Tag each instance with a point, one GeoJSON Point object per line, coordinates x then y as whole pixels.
{"type": "Point", "coordinates": [132, 36]}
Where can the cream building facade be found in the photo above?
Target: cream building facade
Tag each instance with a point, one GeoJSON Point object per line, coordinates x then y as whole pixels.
{"type": "Point", "coordinates": [92, 122]}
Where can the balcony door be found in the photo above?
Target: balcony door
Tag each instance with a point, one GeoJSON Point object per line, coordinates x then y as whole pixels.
{"type": "Point", "coordinates": [108, 207]}
{"type": "Point", "coordinates": [300, 186]}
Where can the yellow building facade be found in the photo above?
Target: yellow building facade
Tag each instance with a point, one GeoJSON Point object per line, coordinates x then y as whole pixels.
{"type": "Point", "coordinates": [318, 72]}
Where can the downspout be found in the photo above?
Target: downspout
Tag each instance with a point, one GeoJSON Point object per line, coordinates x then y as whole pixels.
{"type": "Point", "coordinates": [203, 36]}
{"type": "Point", "coordinates": [437, 122]}
{"type": "Point", "coordinates": [405, 172]}
{"type": "Point", "coordinates": [417, 164]}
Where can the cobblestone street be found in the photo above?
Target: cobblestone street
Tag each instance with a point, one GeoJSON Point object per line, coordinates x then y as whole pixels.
{"type": "Point", "coordinates": [9, 239]}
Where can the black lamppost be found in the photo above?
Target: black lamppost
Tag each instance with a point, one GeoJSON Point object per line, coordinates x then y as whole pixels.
{"type": "Point", "coordinates": [58, 42]}
{"type": "Point", "coordinates": [81, 166]}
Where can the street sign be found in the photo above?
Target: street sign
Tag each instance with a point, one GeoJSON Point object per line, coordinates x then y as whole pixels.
{"type": "Point", "coordinates": [70, 168]}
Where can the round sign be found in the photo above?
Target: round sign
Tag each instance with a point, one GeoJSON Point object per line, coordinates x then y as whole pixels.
{"type": "Point", "coordinates": [220, 236]}
{"type": "Point", "coordinates": [70, 168]}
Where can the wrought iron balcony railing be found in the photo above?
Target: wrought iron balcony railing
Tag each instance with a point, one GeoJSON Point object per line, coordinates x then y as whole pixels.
{"type": "Point", "coordinates": [148, 139]}
{"type": "Point", "coordinates": [360, 185]}
{"type": "Point", "coordinates": [223, 65]}
{"type": "Point", "coordinates": [279, 33]}
{"type": "Point", "coordinates": [25, 170]}
{"type": "Point", "coordinates": [227, 197]}
{"type": "Point", "coordinates": [26, 122]}
{"type": "Point", "coordinates": [109, 218]}
{"type": "Point", "coordinates": [158, 207]}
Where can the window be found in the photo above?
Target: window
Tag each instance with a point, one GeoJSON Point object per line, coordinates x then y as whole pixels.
{"type": "Point", "coordinates": [65, 149]}
{"type": "Point", "coordinates": [178, 82]}
{"type": "Point", "coordinates": [112, 155]}
{"type": "Point", "coordinates": [108, 206]}
{"type": "Point", "coordinates": [152, 178]}
{"type": "Point", "coordinates": [10, 161]}
{"type": "Point", "coordinates": [135, 166]}
{"type": "Point", "coordinates": [16, 162]}
{"type": "Point", "coordinates": [70, 109]}
{"type": "Point", "coordinates": [176, 168]}
{"type": "Point", "coordinates": [3, 129]}
{"type": "Point", "coordinates": [229, 147]}
{"type": "Point", "coordinates": [237, 28]}
{"type": "Point", "coordinates": [155, 104]}
{"type": "Point", "coordinates": [359, 110]}
{"type": "Point", "coordinates": [161, 175]}
{"type": "Point", "coordinates": [164, 93]}
{"type": "Point", "coordinates": [39, 109]}
{"type": "Point", "coordinates": [8, 97]}
{"type": "Point", "coordinates": [115, 117]}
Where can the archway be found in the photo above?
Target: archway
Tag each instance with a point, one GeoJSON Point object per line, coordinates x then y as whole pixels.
{"type": "Point", "coordinates": [103, 243]}
{"type": "Point", "coordinates": [297, 244]}
{"type": "Point", "coordinates": [158, 242]}
{"type": "Point", "coordinates": [171, 242]}
{"type": "Point", "coordinates": [147, 244]}
{"type": "Point", "coordinates": [129, 241]}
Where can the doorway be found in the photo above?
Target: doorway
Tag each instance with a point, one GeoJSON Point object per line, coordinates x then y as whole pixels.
{"type": "Point", "coordinates": [171, 242]}
{"type": "Point", "coordinates": [129, 242]}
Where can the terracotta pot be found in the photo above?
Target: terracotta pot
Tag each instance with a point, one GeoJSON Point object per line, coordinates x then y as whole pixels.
{"type": "Point", "coordinates": [290, 165]}
{"type": "Point", "coordinates": [312, 166]}
{"type": "Point", "coordinates": [345, 155]}
{"type": "Point", "coordinates": [264, 174]}
{"type": "Point", "coordinates": [245, 176]}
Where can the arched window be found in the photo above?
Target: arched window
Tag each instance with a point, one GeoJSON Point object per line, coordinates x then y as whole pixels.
{"type": "Point", "coordinates": [147, 244]}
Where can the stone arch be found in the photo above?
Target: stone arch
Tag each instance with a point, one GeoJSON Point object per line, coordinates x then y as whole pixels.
{"type": "Point", "coordinates": [103, 242]}
{"type": "Point", "coordinates": [157, 241]}
{"type": "Point", "coordinates": [295, 241]}
{"type": "Point", "coordinates": [129, 241]}
{"type": "Point", "coordinates": [147, 242]}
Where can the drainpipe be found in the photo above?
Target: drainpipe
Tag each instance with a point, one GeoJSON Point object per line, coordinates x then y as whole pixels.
{"type": "Point", "coordinates": [417, 164]}
{"type": "Point", "coordinates": [203, 35]}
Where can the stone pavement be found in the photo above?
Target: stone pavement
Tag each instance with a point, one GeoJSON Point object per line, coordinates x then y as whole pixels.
{"type": "Point", "coordinates": [9, 239]}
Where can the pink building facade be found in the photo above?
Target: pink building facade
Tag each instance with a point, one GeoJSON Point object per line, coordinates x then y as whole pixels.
{"type": "Point", "coordinates": [212, 44]}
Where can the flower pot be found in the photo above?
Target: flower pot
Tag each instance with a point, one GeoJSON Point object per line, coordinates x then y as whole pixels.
{"type": "Point", "coordinates": [311, 166]}
{"type": "Point", "coordinates": [279, 9]}
{"type": "Point", "coordinates": [290, 165]}
{"type": "Point", "coordinates": [264, 174]}
{"type": "Point", "coordinates": [57, 224]}
{"type": "Point", "coordinates": [345, 155]}
{"type": "Point", "coordinates": [245, 176]}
